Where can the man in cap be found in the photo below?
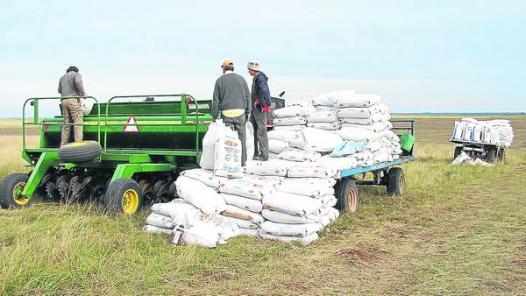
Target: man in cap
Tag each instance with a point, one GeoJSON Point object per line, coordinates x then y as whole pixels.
{"type": "Point", "coordinates": [261, 103]}
{"type": "Point", "coordinates": [70, 85]}
{"type": "Point", "coordinates": [232, 99]}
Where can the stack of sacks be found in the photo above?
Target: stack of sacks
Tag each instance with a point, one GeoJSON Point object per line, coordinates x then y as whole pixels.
{"type": "Point", "coordinates": [495, 132]}
{"type": "Point", "coordinates": [287, 122]}
{"type": "Point", "coordinates": [297, 209]}
{"type": "Point", "coordinates": [188, 225]}
{"type": "Point", "coordinates": [322, 117]}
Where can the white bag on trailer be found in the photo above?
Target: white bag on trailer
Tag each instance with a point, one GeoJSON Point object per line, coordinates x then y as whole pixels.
{"type": "Point", "coordinates": [357, 101]}
{"type": "Point", "coordinates": [358, 134]}
{"type": "Point", "coordinates": [294, 128]}
{"type": "Point", "coordinates": [299, 155]}
{"type": "Point", "coordinates": [158, 220]}
{"type": "Point", "coordinates": [200, 195]}
{"type": "Point", "coordinates": [363, 113]}
{"type": "Point", "coordinates": [209, 142]}
{"type": "Point", "coordinates": [312, 170]}
{"type": "Point", "coordinates": [266, 168]}
{"type": "Point", "coordinates": [295, 230]}
{"type": "Point", "coordinates": [297, 120]}
{"type": "Point", "coordinates": [289, 111]}
{"type": "Point", "coordinates": [277, 146]}
{"type": "Point", "coordinates": [305, 187]}
{"type": "Point", "coordinates": [320, 140]}
{"type": "Point", "coordinates": [157, 230]}
{"type": "Point", "coordinates": [205, 176]}
{"type": "Point", "coordinates": [292, 204]}
{"type": "Point", "coordinates": [280, 217]}
{"type": "Point", "coordinates": [281, 135]}
{"type": "Point", "coordinates": [322, 117]}
{"type": "Point", "coordinates": [239, 213]}
{"type": "Point", "coordinates": [228, 154]}
{"type": "Point", "coordinates": [242, 202]}
{"type": "Point", "coordinates": [290, 239]}
{"type": "Point", "coordinates": [332, 126]}
{"type": "Point", "coordinates": [242, 187]}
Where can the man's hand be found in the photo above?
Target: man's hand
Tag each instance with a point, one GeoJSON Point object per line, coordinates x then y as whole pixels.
{"type": "Point", "coordinates": [266, 109]}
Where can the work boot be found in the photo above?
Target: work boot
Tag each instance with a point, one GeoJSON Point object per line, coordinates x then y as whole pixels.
{"type": "Point", "coordinates": [261, 158]}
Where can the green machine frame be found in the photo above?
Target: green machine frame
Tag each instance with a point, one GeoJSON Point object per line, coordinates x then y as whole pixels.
{"type": "Point", "coordinates": [158, 150]}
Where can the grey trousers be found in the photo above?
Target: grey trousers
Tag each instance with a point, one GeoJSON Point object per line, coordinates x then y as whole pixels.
{"type": "Point", "coordinates": [259, 121]}
{"type": "Point", "coordinates": [239, 124]}
{"type": "Point", "coordinates": [73, 114]}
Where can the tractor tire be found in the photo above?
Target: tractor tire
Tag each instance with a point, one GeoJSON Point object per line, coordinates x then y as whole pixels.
{"type": "Point", "coordinates": [123, 197]}
{"type": "Point", "coordinates": [79, 151]}
{"type": "Point", "coordinates": [348, 196]}
{"type": "Point", "coordinates": [11, 189]}
{"type": "Point", "coordinates": [458, 150]}
{"type": "Point", "coordinates": [491, 154]}
{"type": "Point", "coordinates": [395, 181]}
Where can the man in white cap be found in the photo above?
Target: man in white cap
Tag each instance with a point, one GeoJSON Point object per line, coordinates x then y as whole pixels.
{"type": "Point", "coordinates": [261, 106]}
{"type": "Point", "coordinates": [232, 98]}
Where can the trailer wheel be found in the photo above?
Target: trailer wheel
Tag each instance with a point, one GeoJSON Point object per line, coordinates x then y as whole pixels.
{"type": "Point", "coordinates": [123, 196]}
{"type": "Point", "coordinates": [501, 154]}
{"type": "Point", "coordinates": [79, 151]}
{"type": "Point", "coordinates": [11, 191]}
{"type": "Point", "coordinates": [458, 150]}
{"type": "Point", "coordinates": [348, 196]}
{"type": "Point", "coordinates": [491, 153]}
{"type": "Point", "coordinates": [395, 181]}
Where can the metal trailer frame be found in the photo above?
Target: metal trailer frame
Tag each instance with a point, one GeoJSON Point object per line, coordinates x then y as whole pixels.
{"type": "Point", "coordinates": [388, 174]}
{"type": "Point", "coordinates": [486, 152]}
{"type": "Point", "coordinates": [123, 163]}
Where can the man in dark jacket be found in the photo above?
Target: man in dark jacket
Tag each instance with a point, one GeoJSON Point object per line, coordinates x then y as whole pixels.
{"type": "Point", "coordinates": [261, 103]}
{"type": "Point", "coordinates": [232, 99]}
{"type": "Point", "coordinates": [70, 85]}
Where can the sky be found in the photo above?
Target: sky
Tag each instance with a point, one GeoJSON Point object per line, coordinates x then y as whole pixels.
{"type": "Point", "coordinates": [420, 56]}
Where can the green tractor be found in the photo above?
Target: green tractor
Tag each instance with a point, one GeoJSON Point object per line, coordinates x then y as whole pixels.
{"type": "Point", "coordinates": [134, 148]}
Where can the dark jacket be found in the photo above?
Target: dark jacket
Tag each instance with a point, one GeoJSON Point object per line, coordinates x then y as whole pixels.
{"type": "Point", "coordinates": [231, 92]}
{"type": "Point", "coordinates": [260, 92]}
{"type": "Point", "coordinates": [70, 85]}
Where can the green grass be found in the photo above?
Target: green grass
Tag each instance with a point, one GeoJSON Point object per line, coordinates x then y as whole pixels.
{"type": "Point", "coordinates": [457, 231]}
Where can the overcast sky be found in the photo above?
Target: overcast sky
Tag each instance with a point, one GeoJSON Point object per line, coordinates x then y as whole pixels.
{"type": "Point", "coordinates": [435, 56]}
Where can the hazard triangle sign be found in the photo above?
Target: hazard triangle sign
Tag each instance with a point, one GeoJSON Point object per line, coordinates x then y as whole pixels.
{"type": "Point", "coordinates": [131, 126]}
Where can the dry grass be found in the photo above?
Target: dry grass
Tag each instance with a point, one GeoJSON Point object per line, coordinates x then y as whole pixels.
{"type": "Point", "coordinates": [458, 230]}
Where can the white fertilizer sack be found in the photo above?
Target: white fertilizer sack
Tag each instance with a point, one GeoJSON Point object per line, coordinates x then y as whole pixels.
{"type": "Point", "coordinates": [359, 101]}
{"type": "Point", "coordinates": [266, 168]}
{"type": "Point", "coordinates": [228, 155]}
{"type": "Point", "coordinates": [156, 230]}
{"type": "Point", "coordinates": [320, 140]}
{"type": "Point", "coordinates": [201, 196]}
{"type": "Point", "coordinates": [239, 213]}
{"type": "Point", "coordinates": [159, 220]}
{"type": "Point", "coordinates": [295, 230]}
{"type": "Point", "coordinates": [242, 202]}
{"type": "Point", "coordinates": [299, 155]}
{"type": "Point", "coordinates": [292, 204]}
{"type": "Point", "coordinates": [242, 187]}
{"type": "Point", "coordinates": [205, 176]}
{"type": "Point", "coordinates": [277, 146]}
{"type": "Point", "coordinates": [297, 120]}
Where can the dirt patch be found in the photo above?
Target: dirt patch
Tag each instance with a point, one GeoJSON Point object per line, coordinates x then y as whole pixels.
{"type": "Point", "coordinates": [364, 254]}
{"type": "Point", "coordinates": [217, 275]}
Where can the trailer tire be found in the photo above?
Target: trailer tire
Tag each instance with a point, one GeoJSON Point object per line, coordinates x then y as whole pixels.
{"type": "Point", "coordinates": [458, 150]}
{"type": "Point", "coordinates": [491, 153]}
{"type": "Point", "coordinates": [79, 151]}
{"type": "Point", "coordinates": [395, 181]}
{"type": "Point", "coordinates": [501, 154]}
{"type": "Point", "coordinates": [348, 196]}
{"type": "Point", "coordinates": [123, 197]}
{"type": "Point", "coordinates": [10, 189]}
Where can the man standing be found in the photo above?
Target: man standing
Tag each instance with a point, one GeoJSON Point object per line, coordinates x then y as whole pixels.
{"type": "Point", "coordinates": [261, 103]}
{"type": "Point", "coordinates": [232, 98]}
{"type": "Point", "coordinates": [70, 85]}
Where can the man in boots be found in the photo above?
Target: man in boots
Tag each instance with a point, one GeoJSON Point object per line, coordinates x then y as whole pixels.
{"type": "Point", "coordinates": [261, 106]}
{"type": "Point", "coordinates": [69, 86]}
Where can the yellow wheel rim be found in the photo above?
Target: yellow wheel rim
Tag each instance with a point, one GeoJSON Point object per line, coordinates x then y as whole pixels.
{"type": "Point", "coordinates": [130, 202]}
{"type": "Point", "coordinates": [17, 194]}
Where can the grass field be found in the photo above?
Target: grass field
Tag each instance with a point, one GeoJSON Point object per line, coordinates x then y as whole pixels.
{"type": "Point", "coordinates": [457, 231]}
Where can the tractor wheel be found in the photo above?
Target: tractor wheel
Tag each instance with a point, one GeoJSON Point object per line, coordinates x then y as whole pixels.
{"type": "Point", "coordinates": [123, 196]}
{"type": "Point", "coordinates": [348, 196]}
{"type": "Point", "coordinates": [491, 153]}
{"type": "Point", "coordinates": [458, 150]}
{"type": "Point", "coordinates": [395, 181]}
{"type": "Point", "coordinates": [79, 151]}
{"type": "Point", "coordinates": [11, 191]}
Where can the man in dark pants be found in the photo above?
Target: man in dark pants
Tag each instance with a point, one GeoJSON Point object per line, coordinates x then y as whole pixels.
{"type": "Point", "coordinates": [261, 103]}
{"type": "Point", "coordinates": [232, 98]}
{"type": "Point", "coordinates": [70, 85]}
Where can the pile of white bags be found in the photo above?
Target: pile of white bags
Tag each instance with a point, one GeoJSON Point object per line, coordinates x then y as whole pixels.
{"type": "Point", "coordinates": [495, 132]}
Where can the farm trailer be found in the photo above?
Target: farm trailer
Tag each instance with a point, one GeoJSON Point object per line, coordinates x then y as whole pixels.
{"type": "Point", "coordinates": [388, 174]}
{"type": "Point", "coordinates": [143, 146]}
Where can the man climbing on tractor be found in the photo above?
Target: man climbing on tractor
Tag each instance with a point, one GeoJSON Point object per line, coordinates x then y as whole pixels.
{"type": "Point", "coordinates": [261, 106]}
{"type": "Point", "coordinates": [70, 86]}
{"type": "Point", "coordinates": [232, 98]}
